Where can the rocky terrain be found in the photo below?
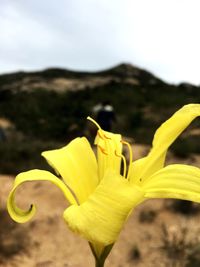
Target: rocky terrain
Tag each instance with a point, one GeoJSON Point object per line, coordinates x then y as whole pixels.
{"type": "Point", "coordinates": [158, 233]}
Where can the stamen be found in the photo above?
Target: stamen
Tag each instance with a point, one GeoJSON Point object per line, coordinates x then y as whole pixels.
{"type": "Point", "coordinates": [101, 135]}
{"type": "Point", "coordinates": [99, 132]}
{"type": "Point", "coordinates": [92, 120]}
{"type": "Point", "coordinates": [107, 137]}
{"type": "Point", "coordinates": [130, 155]}
{"type": "Point", "coordinates": [124, 162]}
{"type": "Point", "coordinates": [103, 150]}
{"type": "Point", "coordinates": [99, 128]}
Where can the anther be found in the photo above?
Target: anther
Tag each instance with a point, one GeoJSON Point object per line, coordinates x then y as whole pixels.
{"type": "Point", "coordinates": [102, 150]}
{"type": "Point", "coordinates": [100, 134]}
{"type": "Point", "coordinates": [107, 137]}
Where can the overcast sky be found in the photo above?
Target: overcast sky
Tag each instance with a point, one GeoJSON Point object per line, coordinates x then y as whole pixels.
{"type": "Point", "coordinates": [161, 36]}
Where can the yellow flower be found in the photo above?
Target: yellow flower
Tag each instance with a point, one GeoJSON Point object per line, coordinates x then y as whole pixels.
{"type": "Point", "coordinates": [101, 197]}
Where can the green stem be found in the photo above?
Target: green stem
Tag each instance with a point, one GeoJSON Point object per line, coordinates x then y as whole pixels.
{"type": "Point", "coordinates": [100, 260]}
{"type": "Point", "coordinates": [99, 263]}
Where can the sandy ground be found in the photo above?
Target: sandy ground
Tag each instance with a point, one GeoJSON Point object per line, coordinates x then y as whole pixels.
{"type": "Point", "coordinates": [49, 243]}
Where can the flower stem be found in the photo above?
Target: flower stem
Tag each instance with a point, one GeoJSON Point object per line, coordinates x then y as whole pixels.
{"type": "Point", "coordinates": [100, 259]}
{"type": "Point", "coordinates": [99, 263]}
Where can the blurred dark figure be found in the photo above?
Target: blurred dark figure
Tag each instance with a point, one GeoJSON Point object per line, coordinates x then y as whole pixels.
{"type": "Point", "coordinates": [2, 135]}
{"type": "Point", "coordinates": [106, 116]}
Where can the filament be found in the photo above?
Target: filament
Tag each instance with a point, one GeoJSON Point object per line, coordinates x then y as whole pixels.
{"type": "Point", "coordinates": [99, 132]}
{"type": "Point", "coordinates": [124, 162]}
{"type": "Point", "coordinates": [92, 120]}
{"type": "Point", "coordinates": [130, 154]}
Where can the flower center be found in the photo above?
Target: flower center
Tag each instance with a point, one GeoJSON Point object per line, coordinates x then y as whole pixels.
{"type": "Point", "coordinates": [110, 146]}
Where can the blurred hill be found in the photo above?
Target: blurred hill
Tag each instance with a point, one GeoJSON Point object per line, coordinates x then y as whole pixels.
{"type": "Point", "coordinates": [61, 80]}
{"type": "Point", "coordinates": [48, 108]}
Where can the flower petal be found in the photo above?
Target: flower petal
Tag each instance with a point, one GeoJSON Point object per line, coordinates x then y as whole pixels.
{"type": "Point", "coordinates": [109, 149]}
{"type": "Point", "coordinates": [102, 216]}
{"type": "Point", "coordinates": [139, 170]}
{"type": "Point", "coordinates": [77, 165]}
{"type": "Point", "coordinates": [163, 138]}
{"type": "Point", "coordinates": [22, 216]}
{"type": "Point", "coordinates": [174, 181]}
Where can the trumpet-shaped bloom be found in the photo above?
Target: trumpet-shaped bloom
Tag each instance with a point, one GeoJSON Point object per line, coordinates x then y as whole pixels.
{"type": "Point", "coordinates": [103, 191]}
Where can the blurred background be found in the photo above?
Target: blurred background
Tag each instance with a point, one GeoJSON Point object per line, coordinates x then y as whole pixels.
{"type": "Point", "coordinates": [61, 61]}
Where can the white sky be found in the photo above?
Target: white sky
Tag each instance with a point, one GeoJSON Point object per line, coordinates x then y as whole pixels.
{"type": "Point", "coordinates": [161, 36]}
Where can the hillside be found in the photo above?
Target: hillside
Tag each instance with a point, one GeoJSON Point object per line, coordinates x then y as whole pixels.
{"type": "Point", "coordinates": [61, 80]}
{"type": "Point", "coordinates": [48, 108]}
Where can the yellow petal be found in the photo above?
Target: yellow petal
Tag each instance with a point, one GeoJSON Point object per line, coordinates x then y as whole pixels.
{"type": "Point", "coordinates": [145, 167]}
{"type": "Point", "coordinates": [109, 149]}
{"type": "Point", "coordinates": [103, 215]}
{"type": "Point", "coordinates": [22, 216]}
{"type": "Point", "coordinates": [163, 138]}
{"type": "Point", "coordinates": [174, 181]}
{"type": "Point", "coordinates": [77, 165]}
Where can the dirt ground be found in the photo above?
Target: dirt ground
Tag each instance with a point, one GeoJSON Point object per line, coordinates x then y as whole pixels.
{"type": "Point", "coordinates": [47, 242]}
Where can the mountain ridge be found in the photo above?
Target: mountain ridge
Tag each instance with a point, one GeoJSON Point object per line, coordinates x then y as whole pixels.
{"type": "Point", "coordinates": [60, 79]}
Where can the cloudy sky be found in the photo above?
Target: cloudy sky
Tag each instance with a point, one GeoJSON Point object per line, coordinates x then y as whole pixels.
{"type": "Point", "coordinates": [161, 36]}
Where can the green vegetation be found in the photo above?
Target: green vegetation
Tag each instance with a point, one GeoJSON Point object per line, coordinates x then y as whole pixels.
{"type": "Point", "coordinates": [51, 115]}
{"type": "Point", "coordinates": [48, 119]}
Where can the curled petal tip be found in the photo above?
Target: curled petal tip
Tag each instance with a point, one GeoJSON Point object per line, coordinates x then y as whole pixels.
{"type": "Point", "coordinates": [18, 214]}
